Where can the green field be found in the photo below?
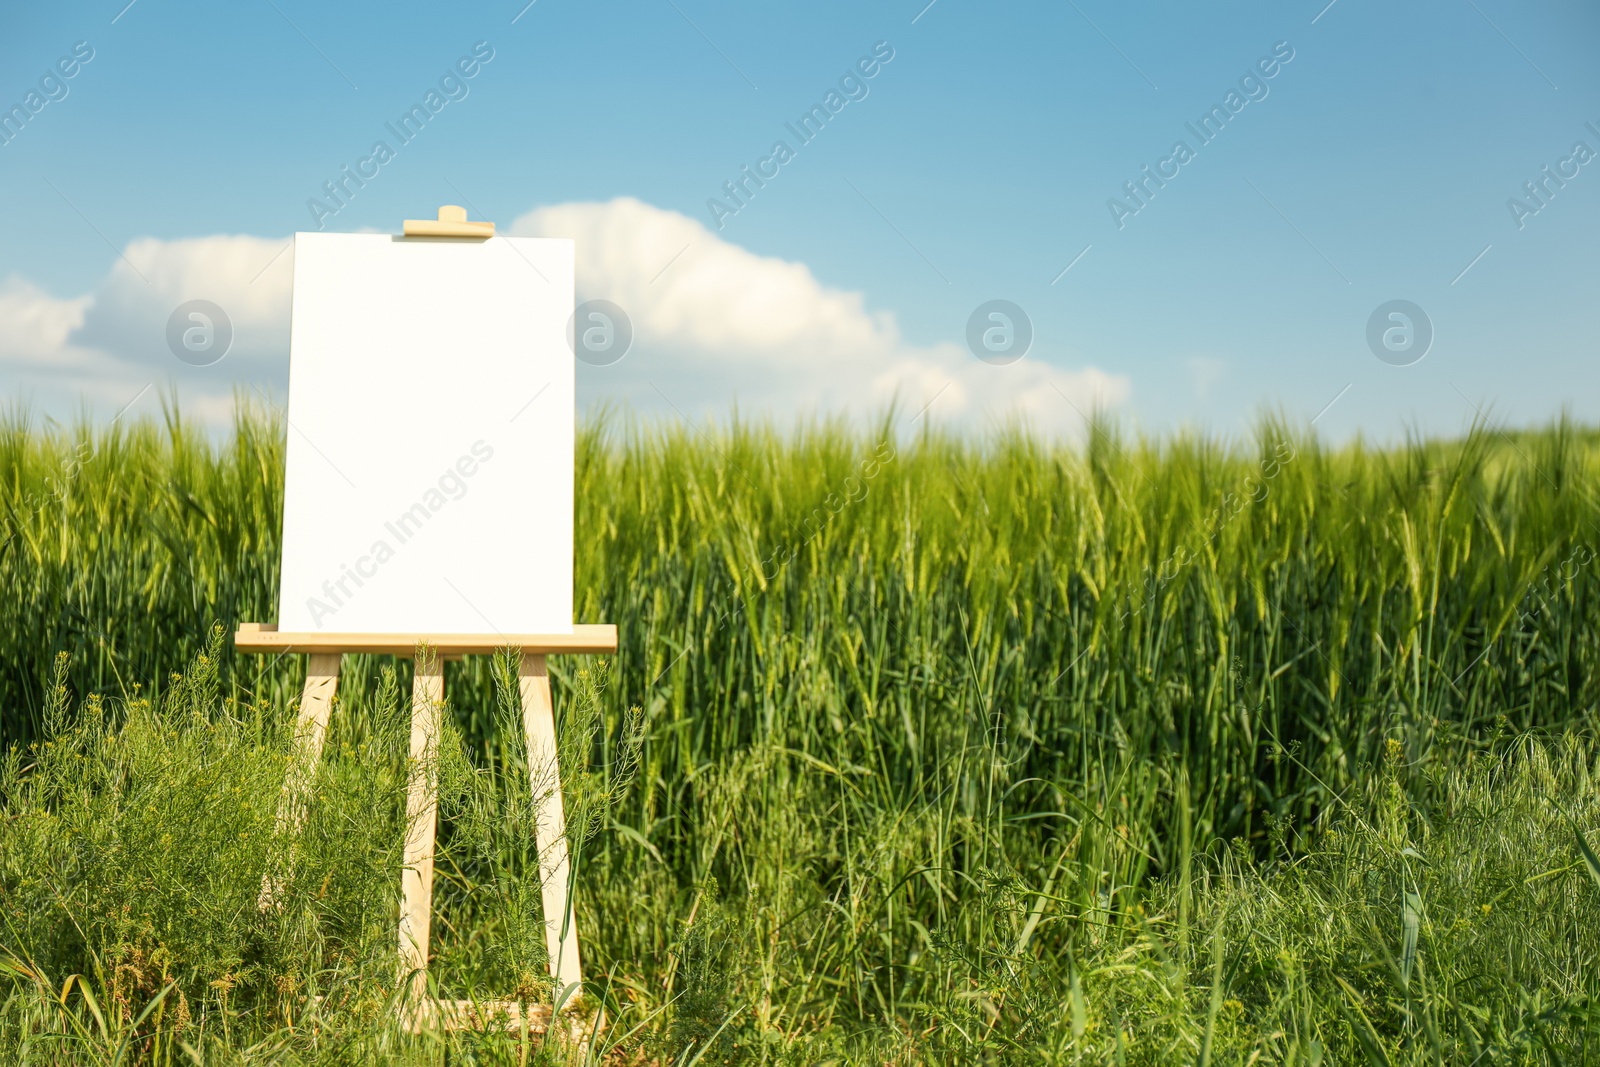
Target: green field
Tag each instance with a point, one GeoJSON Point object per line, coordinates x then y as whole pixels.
{"type": "Point", "coordinates": [917, 749]}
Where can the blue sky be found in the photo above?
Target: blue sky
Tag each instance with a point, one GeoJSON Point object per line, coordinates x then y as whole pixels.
{"type": "Point", "coordinates": [978, 165]}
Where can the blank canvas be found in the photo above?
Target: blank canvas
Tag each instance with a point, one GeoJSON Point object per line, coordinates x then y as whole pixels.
{"type": "Point", "coordinates": [429, 482]}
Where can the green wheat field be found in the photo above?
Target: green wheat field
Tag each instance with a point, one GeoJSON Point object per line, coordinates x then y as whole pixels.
{"type": "Point", "coordinates": [918, 749]}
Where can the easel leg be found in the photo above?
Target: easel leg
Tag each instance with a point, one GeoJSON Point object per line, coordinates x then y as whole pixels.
{"type": "Point", "coordinates": [544, 778]}
{"type": "Point", "coordinates": [311, 729]}
{"type": "Point", "coordinates": [422, 816]}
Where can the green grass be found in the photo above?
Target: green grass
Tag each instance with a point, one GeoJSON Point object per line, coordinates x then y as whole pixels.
{"type": "Point", "coordinates": [916, 749]}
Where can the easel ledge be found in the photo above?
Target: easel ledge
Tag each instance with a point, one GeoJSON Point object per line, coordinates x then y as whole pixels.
{"type": "Point", "coordinates": [265, 637]}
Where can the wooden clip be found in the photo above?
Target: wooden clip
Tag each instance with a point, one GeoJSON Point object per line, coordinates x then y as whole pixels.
{"type": "Point", "coordinates": [452, 222]}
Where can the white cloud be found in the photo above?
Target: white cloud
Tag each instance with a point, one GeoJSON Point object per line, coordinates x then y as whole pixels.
{"type": "Point", "coordinates": [714, 324]}
{"type": "Point", "coordinates": [42, 364]}
{"type": "Point", "coordinates": [129, 309]}
{"type": "Point", "coordinates": [35, 327]}
{"type": "Point", "coordinates": [108, 345]}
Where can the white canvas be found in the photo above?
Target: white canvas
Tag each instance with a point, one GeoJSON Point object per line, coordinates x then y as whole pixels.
{"type": "Point", "coordinates": [429, 484]}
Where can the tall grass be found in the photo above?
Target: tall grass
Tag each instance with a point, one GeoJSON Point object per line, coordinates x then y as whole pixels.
{"type": "Point", "coordinates": [952, 750]}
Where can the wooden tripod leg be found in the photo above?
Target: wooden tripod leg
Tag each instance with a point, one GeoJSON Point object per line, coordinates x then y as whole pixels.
{"type": "Point", "coordinates": [422, 816]}
{"type": "Point", "coordinates": [311, 729]}
{"type": "Point", "coordinates": [544, 778]}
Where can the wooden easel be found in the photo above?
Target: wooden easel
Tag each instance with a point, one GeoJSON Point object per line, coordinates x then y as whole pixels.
{"type": "Point", "coordinates": [427, 696]}
{"type": "Point", "coordinates": [422, 800]}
